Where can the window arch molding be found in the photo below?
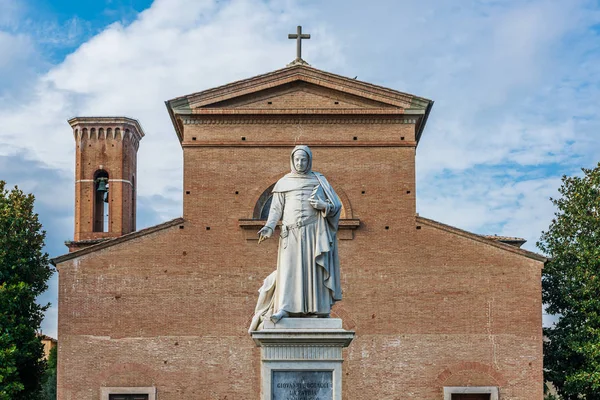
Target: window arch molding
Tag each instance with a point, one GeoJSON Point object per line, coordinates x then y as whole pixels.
{"type": "Point", "coordinates": [262, 203]}
{"type": "Point", "coordinates": [259, 200]}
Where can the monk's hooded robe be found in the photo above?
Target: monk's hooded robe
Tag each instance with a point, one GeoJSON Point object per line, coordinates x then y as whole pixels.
{"type": "Point", "coordinates": [307, 279]}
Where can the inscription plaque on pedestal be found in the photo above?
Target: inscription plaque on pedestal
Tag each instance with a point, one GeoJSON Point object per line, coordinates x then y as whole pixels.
{"type": "Point", "coordinates": [301, 358]}
{"type": "Point", "coordinates": [302, 385]}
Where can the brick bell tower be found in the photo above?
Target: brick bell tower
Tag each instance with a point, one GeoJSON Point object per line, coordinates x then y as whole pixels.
{"type": "Point", "coordinates": [105, 178]}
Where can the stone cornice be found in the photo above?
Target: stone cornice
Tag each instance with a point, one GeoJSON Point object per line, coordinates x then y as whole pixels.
{"type": "Point", "coordinates": [250, 226]}
{"type": "Point", "coordinates": [300, 73]}
{"type": "Point", "coordinates": [118, 128]}
{"type": "Point", "coordinates": [480, 238]}
{"type": "Point", "coordinates": [302, 111]}
{"type": "Point", "coordinates": [395, 102]}
{"type": "Point", "coordinates": [291, 144]}
{"type": "Point", "coordinates": [294, 119]}
{"type": "Point", "coordinates": [103, 244]}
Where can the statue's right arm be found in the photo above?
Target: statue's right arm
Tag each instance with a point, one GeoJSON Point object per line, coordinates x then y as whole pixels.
{"type": "Point", "coordinates": [276, 210]}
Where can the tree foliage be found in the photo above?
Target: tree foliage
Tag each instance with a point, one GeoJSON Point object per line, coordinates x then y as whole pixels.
{"type": "Point", "coordinates": [24, 271]}
{"type": "Point", "coordinates": [49, 383]}
{"type": "Point", "coordinates": [571, 288]}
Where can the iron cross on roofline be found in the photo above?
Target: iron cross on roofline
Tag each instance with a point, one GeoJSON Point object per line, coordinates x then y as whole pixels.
{"type": "Point", "coordinates": [298, 36]}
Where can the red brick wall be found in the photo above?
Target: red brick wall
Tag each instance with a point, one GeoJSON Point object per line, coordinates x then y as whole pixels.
{"type": "Point", "coordinates": [430, 308]}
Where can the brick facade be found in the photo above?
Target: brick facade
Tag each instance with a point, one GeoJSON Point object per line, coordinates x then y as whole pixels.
{"type": "Point", "coordinates": [169, 306]}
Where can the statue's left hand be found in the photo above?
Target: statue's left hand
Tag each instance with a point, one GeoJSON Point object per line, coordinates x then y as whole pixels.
{"type": "Point", "coordinates": [318, 204]}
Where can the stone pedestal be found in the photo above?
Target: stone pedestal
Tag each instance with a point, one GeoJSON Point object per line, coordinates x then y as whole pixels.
{"type": "Point", "coordinates": [301, 358]}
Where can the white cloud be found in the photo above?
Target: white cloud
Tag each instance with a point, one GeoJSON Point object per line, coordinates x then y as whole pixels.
{"type": "Point", "coordinates": [170, 50]}
{"type": "Point", "coordinates": [506, 203]}
{"type": "Point", "coordinates": [11, 11]}
{"type": "Point", "coordinates": [15, 49]}
{"type": "Point", "coordinates": [502, 104]}
{"type": "Point", "coordinates": [59, 35]}
{"type": "Point", "coordinates": [515, 84]}
{"type": "Point", "coordinates": [17, 55]}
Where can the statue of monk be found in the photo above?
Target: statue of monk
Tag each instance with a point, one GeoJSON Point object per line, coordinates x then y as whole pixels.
{"type": "Point", "coordinates": [307, 280]}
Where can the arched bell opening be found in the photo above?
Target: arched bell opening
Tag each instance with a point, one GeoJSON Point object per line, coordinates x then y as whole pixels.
{"type": "Point", "coordinates": [101, 201]}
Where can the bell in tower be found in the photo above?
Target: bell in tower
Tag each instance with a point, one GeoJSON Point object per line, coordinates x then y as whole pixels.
{"type": "Point", "coordinates": [105, 170]}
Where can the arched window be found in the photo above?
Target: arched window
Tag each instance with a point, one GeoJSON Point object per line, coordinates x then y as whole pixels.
{"type": "Point", "coordinates": [261, 209]}
{"type": "Point", "coordinates": [264, 213]}
{"type": "Point", "coordinates": [348, 224]}
{"type": "Point", "coordinates": [101, 201]}
{"type": "Point", "coordinates": [263, 205]}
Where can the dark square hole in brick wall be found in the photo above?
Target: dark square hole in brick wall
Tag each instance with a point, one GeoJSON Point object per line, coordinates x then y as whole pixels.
{"type": "Point", "coordinates": [193, 137]}
{"type": "Point", "coordinates": [128, 396]}
{"type": "Point", "coordinates": [187, 192]}
{"type": "Point", "coordinates": [471, 396]}
{"type": "Point", "coordinates": [243, 137]}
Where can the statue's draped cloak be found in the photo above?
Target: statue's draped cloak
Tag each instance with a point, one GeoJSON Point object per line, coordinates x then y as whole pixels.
{"type": "Point", "coordinates": [307, 279]}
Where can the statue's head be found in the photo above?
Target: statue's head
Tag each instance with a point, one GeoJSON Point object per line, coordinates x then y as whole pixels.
{"type": "Point", "coordinates": [301, 160]}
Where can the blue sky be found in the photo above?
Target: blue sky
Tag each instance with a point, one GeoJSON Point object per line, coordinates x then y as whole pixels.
{"type": "Point", "coordinates": [516, 86]}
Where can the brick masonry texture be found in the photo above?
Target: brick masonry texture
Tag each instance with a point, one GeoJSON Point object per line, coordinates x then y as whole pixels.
{"type": "Point", "coordinates": [108, 144]}
{"type": "Point", "coordinates": [432, 306]}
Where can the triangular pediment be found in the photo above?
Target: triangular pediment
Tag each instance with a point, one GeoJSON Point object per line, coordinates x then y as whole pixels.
{"type": "Point", "coordinates": [298, 84]}
{"type": "Point", "coordinates": [298, 95]}
{"type": "Point", "coordinates": [299, 89]}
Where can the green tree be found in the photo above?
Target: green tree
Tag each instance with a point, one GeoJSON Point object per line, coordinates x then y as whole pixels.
{"type": "Point", "coordinates": [49, 384]}
{"type": "Point", "coordinates": [571, 288]}
{"type": "Point", "coordinates": [24, 271]}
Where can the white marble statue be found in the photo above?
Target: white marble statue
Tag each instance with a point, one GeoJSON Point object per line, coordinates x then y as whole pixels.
{"type": "Point", "coordinates": [307, 280]}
